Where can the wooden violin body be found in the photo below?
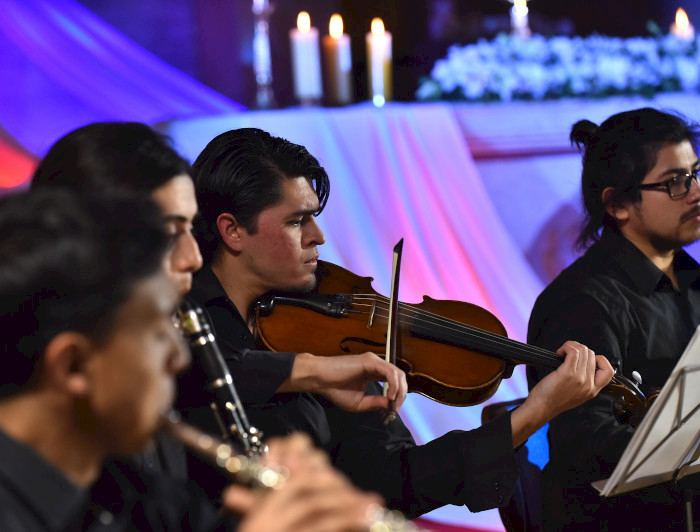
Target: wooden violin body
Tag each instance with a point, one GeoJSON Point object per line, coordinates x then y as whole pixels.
{"type": "Point", "coordinates": [346, 316]}
{"type": "Point", "coordinates": [452, 352]}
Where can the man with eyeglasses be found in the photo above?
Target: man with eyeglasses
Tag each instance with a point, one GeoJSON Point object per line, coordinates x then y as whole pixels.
{"type": "Point", "coordinates": [634, 296]}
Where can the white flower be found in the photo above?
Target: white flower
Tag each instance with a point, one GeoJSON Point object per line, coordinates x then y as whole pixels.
{"type": "Point", "coordinates": [613, 71]}
{"type": "Point", "coordinates": [514, 68]}
{"type": "Point", "coordinates": [688, 72]}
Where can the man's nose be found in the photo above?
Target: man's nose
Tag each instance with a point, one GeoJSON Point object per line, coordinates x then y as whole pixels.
{"type": "Point", "coordinates": [694, 186]}
{"type": "Point", "coordinates": [186, 256]}
{"type": "Point", "coordinates": [315, 235]}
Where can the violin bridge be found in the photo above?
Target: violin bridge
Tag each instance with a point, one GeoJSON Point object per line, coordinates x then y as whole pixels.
{"type": "Point", "coordinates": [371, 315]}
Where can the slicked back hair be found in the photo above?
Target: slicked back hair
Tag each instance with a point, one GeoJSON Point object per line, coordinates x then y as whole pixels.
{"type": "Point", "coordinates": [241, 172]}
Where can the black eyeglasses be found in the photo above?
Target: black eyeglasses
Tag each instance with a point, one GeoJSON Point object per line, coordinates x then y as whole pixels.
{"type": "Point", "coordinates": [677, 186]}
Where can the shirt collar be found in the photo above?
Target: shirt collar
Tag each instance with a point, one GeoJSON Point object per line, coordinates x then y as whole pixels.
{"type": "Point", "coordinates": [208, 291]}
{"type": "Point", "coordinates": [640, 270]}
{"type": "Point", "coordinates": [206, 286]}
{"type": "Point", "coordinates": [53, 498]}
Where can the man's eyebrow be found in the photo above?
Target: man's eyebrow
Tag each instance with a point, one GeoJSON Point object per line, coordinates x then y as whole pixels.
{"type": "Point", "coordinates": [675, 171]}
{"type": "Point", "coordinates": [178, 218]}
{"type": "Point", "coordinates": [303, 212]}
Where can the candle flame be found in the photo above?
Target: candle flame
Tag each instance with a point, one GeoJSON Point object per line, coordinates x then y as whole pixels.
{"type": "Point", "coordinates": [335, 28]}
{"type": "Point", "coordinates": [303, 22]}
{"type": "Point", "coordinates": [377, 27]}
{"type": "Point", "coordinates": [682, 21]}
{"type": "Point", "coordinates": [520, 4]}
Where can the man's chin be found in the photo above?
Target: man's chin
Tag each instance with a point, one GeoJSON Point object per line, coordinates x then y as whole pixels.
{"type": "Point", "coordinates": [309, 284]}
{"type": "Point", "coordinates": [134, 445]}
{"type": "Point", "coordinates": [183, 286]}
{"type": "Point", "coordinates": [302, 287]}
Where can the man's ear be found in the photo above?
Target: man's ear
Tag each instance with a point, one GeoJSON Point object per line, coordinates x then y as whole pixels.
{"type": "Point", "coordinates": [230, 231]}
{"type": "Point", "coordinates": [64, 363]}
{"type": "Point", "coordinates": [615, 209]}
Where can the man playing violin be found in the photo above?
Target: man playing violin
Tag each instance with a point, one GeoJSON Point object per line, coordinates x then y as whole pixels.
{"type": "Point", "coordinates": [634, 296]}
{"type": "Point", "coordinates": [258, 197]}
{"type": "Point", "coordinates": [130, 157]}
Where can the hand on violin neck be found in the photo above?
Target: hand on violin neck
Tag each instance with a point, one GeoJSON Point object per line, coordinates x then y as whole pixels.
{"type": "Point", "coordinates": [579, 378]}
{"type": "Point", "coordinates": [343, 380]}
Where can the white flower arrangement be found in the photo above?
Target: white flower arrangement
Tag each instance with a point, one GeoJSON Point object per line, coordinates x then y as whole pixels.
{"type": "Point", "coordinates": [539, 68]}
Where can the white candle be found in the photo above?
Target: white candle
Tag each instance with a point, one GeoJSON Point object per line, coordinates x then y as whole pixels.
{"type": "Point", "coordinates": [519, 19]}
{"type": "Point", "coordinates": [379, 63]}
{"type": "Point", "coordinates": [337, 62]}
{"type": "Point", "coordinates": [682, 28]}
{"type": "Point", "coordinates": [306, 62]}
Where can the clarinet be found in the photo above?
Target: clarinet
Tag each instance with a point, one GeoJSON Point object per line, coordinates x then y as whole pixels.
{"type": "Point", "coordinates": [225, 404]}
{"type": "Point", "coordinates": [249, 471]}
{"type": "Point", "coordinates": [241, 467]}
{"type": "Point", "coordinates": [244, 467]}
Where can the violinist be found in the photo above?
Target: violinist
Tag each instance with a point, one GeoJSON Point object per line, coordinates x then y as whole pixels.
{"type": "Point", "coordinates": [634, 296]}
{"type": "Point", "coordinates": [130, 157]}
{"type": "Point", "coordinates": [258, 197]}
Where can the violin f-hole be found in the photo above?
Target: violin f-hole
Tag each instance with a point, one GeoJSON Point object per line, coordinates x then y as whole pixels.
{"type": "Point", "coordinates": [363, 341]}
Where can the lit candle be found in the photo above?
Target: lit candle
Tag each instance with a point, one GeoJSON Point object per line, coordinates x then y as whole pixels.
{"type": "Point", "coordinates": [519, 20]}
{"type": "Point", "coordinates": [379, 62]}
{"type": "Point", "coordinates": [337, 61]}
{"type": "Point", "coordinates": [306, 63]}
{"type": "Point", "coordinates": [682, 28]}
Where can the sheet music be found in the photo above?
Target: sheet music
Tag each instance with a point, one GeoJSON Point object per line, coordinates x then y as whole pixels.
{"type": "Point", "coordinates": [667, 439]}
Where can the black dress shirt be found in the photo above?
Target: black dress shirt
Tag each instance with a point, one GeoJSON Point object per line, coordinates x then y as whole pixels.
{"type": "Point", "coordinates": [617, 302]}
{"type": "Point", "coordinates": [476, 467]}
{"type": "Point", "coordinates": [35, 496]}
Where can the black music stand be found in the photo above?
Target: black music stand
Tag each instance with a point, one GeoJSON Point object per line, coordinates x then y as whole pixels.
{"type": "Point", "coordinates": [666, 445]}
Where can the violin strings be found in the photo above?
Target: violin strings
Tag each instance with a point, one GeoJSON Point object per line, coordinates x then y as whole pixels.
{"type": "Point", "coordinates": [452, 327]}
{"type": "Point", "coordinates": [460, 330]}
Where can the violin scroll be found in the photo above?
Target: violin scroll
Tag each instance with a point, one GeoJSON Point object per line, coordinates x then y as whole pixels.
{"type": "Point", "coordinates": [630, 404]}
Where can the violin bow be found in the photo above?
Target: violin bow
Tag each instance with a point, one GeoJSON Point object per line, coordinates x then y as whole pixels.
{"type": "Point", "coordinates": [393, 326]}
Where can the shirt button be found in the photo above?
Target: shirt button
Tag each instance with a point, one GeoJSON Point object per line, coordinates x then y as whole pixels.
{"type": "Point", "coordinates": [495, 486]}
{"type": "Point", "coordinates": [500, 499]}
{"type": "Point", "coordinates": [106, 518]}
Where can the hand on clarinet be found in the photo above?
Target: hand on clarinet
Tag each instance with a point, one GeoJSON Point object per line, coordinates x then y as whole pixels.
{"type": "Point", "coordinates": [315, 497]}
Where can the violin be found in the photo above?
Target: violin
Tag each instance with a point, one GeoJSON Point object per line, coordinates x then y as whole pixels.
{"type": "Point", "coordinates": [452, 352]}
